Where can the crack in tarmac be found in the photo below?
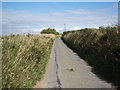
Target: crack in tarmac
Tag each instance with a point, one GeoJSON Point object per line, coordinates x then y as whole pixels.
{"type": "Point", "coordinates": [58, 79]}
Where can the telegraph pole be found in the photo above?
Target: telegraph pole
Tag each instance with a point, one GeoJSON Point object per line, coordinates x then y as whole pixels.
{"type": "Point", "coordinates": [65, 27]}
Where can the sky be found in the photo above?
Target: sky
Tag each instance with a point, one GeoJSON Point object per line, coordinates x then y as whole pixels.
{"type": "Point", "coordinates": [33, 17]}
{"type": "Point", "coordinates": [60, 0]}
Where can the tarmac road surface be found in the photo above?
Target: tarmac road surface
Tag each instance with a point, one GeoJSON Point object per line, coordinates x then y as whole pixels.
{"type": "Point", "coordinates": [66, 69]}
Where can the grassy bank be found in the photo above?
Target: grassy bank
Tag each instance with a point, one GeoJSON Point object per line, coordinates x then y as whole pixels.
{"type": "Point", "coordinates": [24, 59]}
{"type": "Point", "coordinates": [99, 47]}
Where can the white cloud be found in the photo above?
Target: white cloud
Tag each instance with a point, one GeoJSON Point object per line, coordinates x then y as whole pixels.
{"type": "Point", "coordinates": [76, 28]}
{"type": "Point", "coordinates": [116, 6]}
{"type": "Point", "coordinates": [79, 11]}
{"type": "Point", "coordinates": [38, 30]}
{"type": "Point", "coordinates": [22, 21]}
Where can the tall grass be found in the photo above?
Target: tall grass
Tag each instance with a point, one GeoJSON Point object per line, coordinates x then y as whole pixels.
{"type": "Point", "coordinates": [99, 47]}
{"type": "Point", "coordinates": [24, 59]}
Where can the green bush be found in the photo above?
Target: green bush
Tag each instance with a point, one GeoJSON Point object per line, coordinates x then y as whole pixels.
{"type": "Point", "coordinates": [49, 31]}
{"type": "Point", "coordinates": [99, 47]}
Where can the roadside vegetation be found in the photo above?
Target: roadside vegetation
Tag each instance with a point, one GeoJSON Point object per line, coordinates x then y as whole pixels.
{"type": "Point", "coordinates": [24, 58]}
{"type": "Point", "coordinates": [49, 31]}
{"type": "Point", "coordinates": [99, 47]}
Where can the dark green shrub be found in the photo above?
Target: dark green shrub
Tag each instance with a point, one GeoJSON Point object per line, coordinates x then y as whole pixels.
{"type": "Point", "coordinates": [99, 47]}
{"type": "Point", "coordinates": [49, 31]}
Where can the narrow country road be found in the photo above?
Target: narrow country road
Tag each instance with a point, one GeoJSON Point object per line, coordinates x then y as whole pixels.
{"type": "Point", "coordinates": [65, 69]}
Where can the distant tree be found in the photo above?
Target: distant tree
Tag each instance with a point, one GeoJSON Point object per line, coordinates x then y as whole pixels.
{"type": "Point", "coordinates": [49, 31]}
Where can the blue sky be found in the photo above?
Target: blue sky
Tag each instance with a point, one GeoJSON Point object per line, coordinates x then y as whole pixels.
{"type": "Point", "coordinates": [42, 7]}
{"type": "Point", "coordinates": [60, 0]}
{"type": "Point", "coordinates": [32, 17]}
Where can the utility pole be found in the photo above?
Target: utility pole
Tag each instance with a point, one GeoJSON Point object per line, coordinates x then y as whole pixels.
{"type": "Point", "coordinates": [65, 27]}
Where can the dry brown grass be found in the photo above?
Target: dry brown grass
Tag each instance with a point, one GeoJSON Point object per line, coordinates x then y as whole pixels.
{"type": "Point", "coordinates": [24, 59]}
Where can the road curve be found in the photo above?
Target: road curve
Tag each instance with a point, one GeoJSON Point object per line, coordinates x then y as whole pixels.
{"type": "Point", "coordinates": [65, 69]}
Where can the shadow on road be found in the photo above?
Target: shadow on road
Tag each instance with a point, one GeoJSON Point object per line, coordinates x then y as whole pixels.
{"type": "Point", "coordinates": [93, 70]}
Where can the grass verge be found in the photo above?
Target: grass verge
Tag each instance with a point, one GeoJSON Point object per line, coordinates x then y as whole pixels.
{"type": "Point", "coordinates": [24, 59]}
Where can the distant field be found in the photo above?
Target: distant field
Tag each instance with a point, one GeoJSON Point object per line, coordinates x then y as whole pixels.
{"type": "Point", "coordinates": [24, 59]}
{"type": "Point", "coordinates": [99, 47]}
